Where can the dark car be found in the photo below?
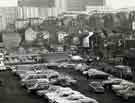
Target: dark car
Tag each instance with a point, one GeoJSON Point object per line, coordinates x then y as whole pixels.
{"type": "Point", "coordinates": [123, 72]}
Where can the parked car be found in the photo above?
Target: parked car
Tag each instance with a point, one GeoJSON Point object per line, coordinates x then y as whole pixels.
{"type": "Point", "coordinates": [31, 78]}
{"type": "Point", "coordinates": [52, 65]}
{"type": "Point", "coordinates": [60, 94]}
{"type": "Point", "coordinates": [67, 65]}
{"type": "Point", "coordinates": [39, 84]}
{"type": "Point", "coordinates": [97, 87]}
{"type": "Point", "coordinates": [2, 65]}
{"type": "Point", "coordinates": [111, 81]}
{"type": "Point", "coordinates": [130, 89]}
{"type": "Point", "coordinates": [53, 74]}
{"type": "Point", "coordinates": [67, 95]}
{"type": "Point", "coordinates": [97, 74]}
{"type": "Point", "coordinates": [22, 68]}
{"type": "Point", "coordinates": [81, 67]}
{"type": "Point", "coordinates": [11, 67]}
{"type": "Point", "coordinates": [51, 88]}
{"type": "Point", "coordinates": [123, 85]}
{"type": "Point", "coordinates": [64, 80]}
{"type": "Point", "coordinates": [123, 71]}
{"type": "Point", "coordinates": [22, 74]}
{"type": "Point", "coordinates": [76, 58]}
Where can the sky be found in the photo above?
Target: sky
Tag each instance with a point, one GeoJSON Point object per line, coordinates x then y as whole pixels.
{"type": "Point", "coordinates": [6, 3]}
{"type": "Point", "coordinates": [120, 3]}
{"type": "Point", "coordinates": [111, 3]}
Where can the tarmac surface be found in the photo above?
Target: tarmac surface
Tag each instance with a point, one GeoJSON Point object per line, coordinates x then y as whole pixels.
{"type": "Point", "coordinates": [12, 92]}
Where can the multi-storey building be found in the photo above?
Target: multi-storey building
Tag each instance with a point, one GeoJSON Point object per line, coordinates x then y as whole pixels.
{"type": "Point", "coordinates": [43, 8]}
{"type": "Point", "coordinates": [80, 5]}
{"type": "Point", "coordinates": [7, 16]}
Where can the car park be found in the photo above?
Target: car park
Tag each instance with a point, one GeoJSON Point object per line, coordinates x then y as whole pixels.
{"type": "Point", "coordinates": [96, 87]}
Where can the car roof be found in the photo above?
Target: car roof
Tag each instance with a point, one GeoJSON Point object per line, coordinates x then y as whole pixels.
{"type": "Point", "coordinates": [121, 67]}
{"type": "Point", "coordinates": [42, 80]}
{"type": "Point", "coordinates": [35, 74]}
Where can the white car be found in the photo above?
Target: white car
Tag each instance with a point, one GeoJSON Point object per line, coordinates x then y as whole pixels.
{"type": "Point", "coordinates": [93, 73]}
{"type": "Point", "coordinates": [65, 95]}
{"type": "Point", "coordinates": [130, 89]}
{"type": "Point", "coordinates": [2, 65]}
{"type": "Point", "coordinates": [76, 58]}
{"type": "Point", "coordinates": [39, 84]}
{"type": "Point", "coordinates": [123, 85]}
{"type": "Point", "coordinates": [111, 81]}
{"type": "Point", "coordinates": [32, 77]}
{"type": "Point", "coordinates": [66, 65]}
{"type": "Point", "coordinates": [51, 88]}
{"type": "Point", "coordinates": [81, 67]}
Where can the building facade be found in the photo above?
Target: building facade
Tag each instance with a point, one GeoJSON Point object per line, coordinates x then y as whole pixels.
{"type": "Point", "coordinates": [80, 5]}
{"type": "Point", "coordinates": [45, 8]}
{"type": "Point", "coordinates": [7, 16]}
